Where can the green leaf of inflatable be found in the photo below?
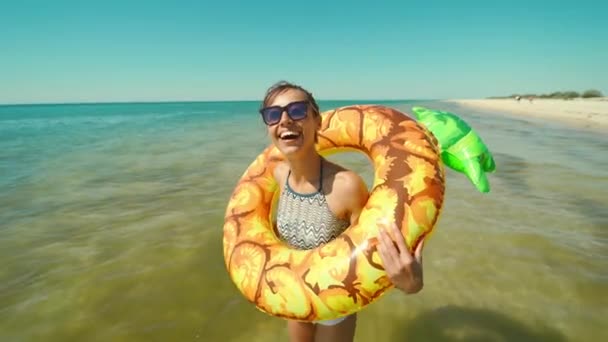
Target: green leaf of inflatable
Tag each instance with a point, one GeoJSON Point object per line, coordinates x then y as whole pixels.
{"type": "Point", "coordinates": [462, 148]}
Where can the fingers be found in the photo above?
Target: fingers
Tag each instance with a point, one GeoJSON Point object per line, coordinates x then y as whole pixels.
{"type": "Point", "coordinates": [418, 252]}
{"type": "Point", "coordinates": [400, 241]}
{"type": "Point", "coordinates": [387, 251]}
{"type": "Point", "coordinates": [396, 257]}
{"type": "Point", "coordinates": [403, 253]}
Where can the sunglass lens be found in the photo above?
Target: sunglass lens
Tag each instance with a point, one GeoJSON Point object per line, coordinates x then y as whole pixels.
{"type": "Point", "coordinates": [297, 111]}
{"type": "Point", "coordinates": [272, 115]}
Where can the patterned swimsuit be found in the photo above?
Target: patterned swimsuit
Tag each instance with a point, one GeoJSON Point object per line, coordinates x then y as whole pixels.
{"type": "Point", "coordinates": [305, 221]}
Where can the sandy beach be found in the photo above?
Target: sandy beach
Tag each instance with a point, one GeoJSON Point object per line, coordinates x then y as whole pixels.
{"type": "Point", "coordinates": [582, 113]}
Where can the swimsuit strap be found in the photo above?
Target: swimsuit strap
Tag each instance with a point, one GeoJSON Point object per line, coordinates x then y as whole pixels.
{"type": "Point", "coordinates": [320, 188]}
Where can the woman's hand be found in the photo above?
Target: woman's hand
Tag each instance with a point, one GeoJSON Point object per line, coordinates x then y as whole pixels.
{"type": "Point", "coordinates": [403, 269]}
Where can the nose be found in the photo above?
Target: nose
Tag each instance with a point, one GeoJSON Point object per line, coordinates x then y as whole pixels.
{"type": "Point", "coordinates": [285, 117]}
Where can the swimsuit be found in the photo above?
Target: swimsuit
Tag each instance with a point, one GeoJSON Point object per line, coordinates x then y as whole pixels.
{"type": "Point", "coordinates": [305, 221]}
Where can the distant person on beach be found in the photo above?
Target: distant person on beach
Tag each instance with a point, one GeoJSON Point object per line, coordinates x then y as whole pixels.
{"type": "Point", "coordinates": [325, 198]}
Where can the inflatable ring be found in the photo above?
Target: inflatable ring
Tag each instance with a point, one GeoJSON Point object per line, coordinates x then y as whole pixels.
{"type": "Point", "coordinates": [346, 274]}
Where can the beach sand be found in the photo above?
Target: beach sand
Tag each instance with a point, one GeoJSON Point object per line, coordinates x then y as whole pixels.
{"type": "Point", "coordinates": [589, 114]}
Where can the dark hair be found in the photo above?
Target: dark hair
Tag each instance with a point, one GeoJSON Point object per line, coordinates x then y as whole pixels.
{"type": "Point", "coordinates": [283, 86]}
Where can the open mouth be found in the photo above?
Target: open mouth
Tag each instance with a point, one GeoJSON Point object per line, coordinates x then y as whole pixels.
{"type": "Point", "coordinates": [289, 135]}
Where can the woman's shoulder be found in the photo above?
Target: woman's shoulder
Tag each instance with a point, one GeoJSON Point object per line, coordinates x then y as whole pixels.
{"type": "Point", "coordinates": [280, 172]}
{"type": "Point", "coordinates": [343, 179]}
{"type": "Point", "coordinates": [347, 186]}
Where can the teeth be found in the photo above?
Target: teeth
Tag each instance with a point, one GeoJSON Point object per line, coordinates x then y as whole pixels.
{"type": "Point", "coordinates": [288, 134]}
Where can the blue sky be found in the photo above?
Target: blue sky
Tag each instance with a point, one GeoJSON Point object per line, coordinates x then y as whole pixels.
{"type": "Point", "coordinates": [82, 51]}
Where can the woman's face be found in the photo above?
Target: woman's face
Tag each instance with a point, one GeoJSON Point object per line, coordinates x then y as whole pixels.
{"type": "Point", "coordinates": [296, 134]}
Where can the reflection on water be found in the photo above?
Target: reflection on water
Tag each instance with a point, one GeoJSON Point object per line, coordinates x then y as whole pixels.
{"type": "Point", "coordinates": [513, 171]}
{"type": "Point", "coordinates": [111, 223]}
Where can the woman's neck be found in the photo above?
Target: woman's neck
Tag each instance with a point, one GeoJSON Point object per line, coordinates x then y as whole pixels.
{"type": "Point", "coordinates": [306, 169]}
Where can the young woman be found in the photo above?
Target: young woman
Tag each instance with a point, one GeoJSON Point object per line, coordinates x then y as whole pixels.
{"type": "Point", "coordinates": [320, 199]}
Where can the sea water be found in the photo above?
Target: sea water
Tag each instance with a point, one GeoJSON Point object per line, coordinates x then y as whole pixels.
{"type": "Point", "coordinates": [111, 224]}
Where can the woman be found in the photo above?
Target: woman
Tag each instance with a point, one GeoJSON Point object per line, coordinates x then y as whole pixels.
{"type": "Point", "coordinates": [320, 199]}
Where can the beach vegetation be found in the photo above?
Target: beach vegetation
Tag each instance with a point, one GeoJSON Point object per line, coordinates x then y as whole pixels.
{"type": "Point", "coordinates": [564, 95]}
{"type": "Point", "coordinates": [592, 93]}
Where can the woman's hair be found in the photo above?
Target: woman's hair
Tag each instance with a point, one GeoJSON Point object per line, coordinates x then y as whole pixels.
{"type": "Point", "coordinates": [283, 86]}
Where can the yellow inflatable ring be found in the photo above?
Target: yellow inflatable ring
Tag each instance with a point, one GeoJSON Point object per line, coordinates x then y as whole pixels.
{"type": "Point", "coordinates": [346, 274]}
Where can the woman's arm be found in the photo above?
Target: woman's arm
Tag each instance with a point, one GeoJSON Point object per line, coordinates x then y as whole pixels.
{"type": "Point", "coordinates": [403, 269]}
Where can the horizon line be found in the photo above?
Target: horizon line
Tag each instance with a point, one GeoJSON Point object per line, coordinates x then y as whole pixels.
{"type": "Point", "coordinates": [187, 101]}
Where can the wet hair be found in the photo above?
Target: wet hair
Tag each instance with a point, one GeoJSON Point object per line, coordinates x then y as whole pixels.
{"type": "Point", "coordinates": [283, 86]}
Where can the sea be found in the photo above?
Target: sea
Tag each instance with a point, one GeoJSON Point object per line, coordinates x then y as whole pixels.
{"type": "Point", "coordinates": [111, 229]}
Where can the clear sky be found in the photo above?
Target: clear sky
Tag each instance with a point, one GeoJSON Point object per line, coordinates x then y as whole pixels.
{"type": "Point", "coordinates": [81, 51]}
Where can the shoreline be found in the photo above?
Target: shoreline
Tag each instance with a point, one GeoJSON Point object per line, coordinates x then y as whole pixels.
{"type": "Point", "coordinates": [588, 114]}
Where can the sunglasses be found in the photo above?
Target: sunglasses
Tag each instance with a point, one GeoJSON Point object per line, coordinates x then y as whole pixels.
{"type": "Point", "coordinates": [295, 110]}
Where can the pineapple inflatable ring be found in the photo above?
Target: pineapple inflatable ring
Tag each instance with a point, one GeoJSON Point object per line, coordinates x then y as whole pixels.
{"type": "Point", "coordinates": [346, 274]}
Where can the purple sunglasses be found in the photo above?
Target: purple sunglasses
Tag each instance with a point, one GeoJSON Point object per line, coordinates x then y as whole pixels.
{"type": "Point", "coordinates": [295, 110]}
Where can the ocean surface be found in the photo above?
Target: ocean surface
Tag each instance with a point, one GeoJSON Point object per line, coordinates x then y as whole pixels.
{"type": "Point", "coordinates": [111, 223]}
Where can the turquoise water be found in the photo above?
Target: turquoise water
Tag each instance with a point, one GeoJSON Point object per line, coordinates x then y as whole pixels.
{"type": "Point", "coordinates": [111, 220]}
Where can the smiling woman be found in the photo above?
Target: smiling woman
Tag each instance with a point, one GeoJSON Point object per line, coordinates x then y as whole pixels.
{"type": "Point", "coordinates": [295, 101]}
{"type": "Point", "coordinates": [325, 261]}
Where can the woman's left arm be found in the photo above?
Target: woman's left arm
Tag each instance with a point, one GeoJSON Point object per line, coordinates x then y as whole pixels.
{"type": "Point", "coordinates": [403, 269]}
